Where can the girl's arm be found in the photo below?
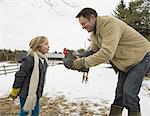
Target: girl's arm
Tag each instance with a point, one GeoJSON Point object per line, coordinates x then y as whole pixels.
{"type": "Point", "coordinates": [24, 72]}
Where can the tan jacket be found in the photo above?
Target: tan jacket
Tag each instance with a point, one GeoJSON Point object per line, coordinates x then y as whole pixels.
{"type": "Point", "coordinates": [117, 42]}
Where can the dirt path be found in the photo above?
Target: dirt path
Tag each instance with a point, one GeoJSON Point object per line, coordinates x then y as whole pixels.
{"type": "Point", "coordinates": [56, 107]}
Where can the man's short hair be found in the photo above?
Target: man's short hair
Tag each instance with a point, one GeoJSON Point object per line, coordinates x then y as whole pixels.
{"type": "Point", "coordinates": [87, 12]}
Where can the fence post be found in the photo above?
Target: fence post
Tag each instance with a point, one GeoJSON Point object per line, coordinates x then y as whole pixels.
{"type": "Point", "coordinates": [17, 66]}
{"type": "Point", "coordinates": [4, 69]}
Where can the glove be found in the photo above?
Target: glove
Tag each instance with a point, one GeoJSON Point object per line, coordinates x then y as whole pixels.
{"type": "Point", "coordinates": [148, 73]}
{"type": "Point", "coordinates": [68, 59]}
{"type": "Point", "coordinates": [12, 97]}
{"type": "Point", "coordinates": [85, 54]}
{"type": "Point", "coordinates": [14, 93]}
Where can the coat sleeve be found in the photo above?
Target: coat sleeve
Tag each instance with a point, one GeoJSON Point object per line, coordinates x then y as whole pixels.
{"type": "Point", "coordinates": [111, 34]}
{"type": "Point", "coordinates": [24, 72]}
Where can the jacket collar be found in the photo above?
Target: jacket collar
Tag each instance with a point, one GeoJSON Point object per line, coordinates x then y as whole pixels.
{"type": "Point", "coordinates": [96, 30]}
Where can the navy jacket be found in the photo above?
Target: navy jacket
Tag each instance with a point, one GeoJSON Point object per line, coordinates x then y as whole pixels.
{"type": "Point", "coordinates": [22, 77]}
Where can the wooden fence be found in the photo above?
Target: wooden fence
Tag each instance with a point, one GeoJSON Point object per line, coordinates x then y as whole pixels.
{"type": "Point", "coordinates": [5, 69]}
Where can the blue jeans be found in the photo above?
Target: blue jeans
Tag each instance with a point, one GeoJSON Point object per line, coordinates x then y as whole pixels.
{"type": "Point", "coordinates": [35, 112]}
{"type": "Point", "coordinates": [129, 85]}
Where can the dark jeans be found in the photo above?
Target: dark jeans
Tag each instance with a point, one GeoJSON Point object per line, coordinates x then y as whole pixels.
{"type": "Point", "coordinates": [129, 85]}
{"type": "Point", "coordinates": [35, 112]}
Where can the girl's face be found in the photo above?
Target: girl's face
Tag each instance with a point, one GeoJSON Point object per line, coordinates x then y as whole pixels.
{"type": "Point", "coordinates": [45, 47]}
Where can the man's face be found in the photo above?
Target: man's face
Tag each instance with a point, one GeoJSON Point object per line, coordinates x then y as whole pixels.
{"type": "Point", "coordinates": [87, 24]}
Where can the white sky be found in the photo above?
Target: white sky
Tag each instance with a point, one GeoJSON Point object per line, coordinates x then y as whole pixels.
{"type": "Point", "coordinates": [21, 20]}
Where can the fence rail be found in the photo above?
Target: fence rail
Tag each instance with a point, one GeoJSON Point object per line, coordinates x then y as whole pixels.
{"type": "Point", "coordinates": [5, 69]}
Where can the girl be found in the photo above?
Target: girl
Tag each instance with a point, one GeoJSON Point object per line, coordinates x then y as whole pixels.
{"type": "Point", "coordinates": [29, 80]}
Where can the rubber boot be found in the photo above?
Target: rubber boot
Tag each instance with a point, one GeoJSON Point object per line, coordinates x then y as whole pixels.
{"type": "Point", "coordinates": [116, 110]}
{"type": "Point", "coordinates": [134, 113]}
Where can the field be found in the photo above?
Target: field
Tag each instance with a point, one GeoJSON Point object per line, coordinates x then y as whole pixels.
{"type": "Point", "coordinates": [66, 95]}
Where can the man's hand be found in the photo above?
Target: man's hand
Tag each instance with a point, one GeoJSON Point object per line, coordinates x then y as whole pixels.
{"type": "Point", "coordinates": [70, 58]}
{"type": "Point", "coordinates": [85, 54]}
{"type": "Point", "coordinates": [148, 73]}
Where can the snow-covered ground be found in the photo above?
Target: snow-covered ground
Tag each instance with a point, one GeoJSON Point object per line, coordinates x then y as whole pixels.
{"type": "Point", "coordinates": [99, 89]}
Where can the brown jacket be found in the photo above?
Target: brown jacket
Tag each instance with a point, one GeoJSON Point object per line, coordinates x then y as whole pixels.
{"type": "Point", "coordinates": [117, 42]}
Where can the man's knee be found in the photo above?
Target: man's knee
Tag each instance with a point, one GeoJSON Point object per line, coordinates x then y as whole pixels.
{"type": "Point", "coordinates": [130, 100]}
{"type": "Point", "coordinates": [126, 96]}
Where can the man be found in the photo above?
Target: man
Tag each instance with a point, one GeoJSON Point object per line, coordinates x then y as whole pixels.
{"type": "Point", "coordinates": [126, 49]}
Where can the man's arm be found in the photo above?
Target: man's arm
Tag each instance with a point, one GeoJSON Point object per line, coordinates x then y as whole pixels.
{"type": "Point", "coordinates": [110, 39]}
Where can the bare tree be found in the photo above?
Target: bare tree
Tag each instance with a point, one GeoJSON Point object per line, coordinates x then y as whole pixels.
{"type": "Point", "coordinates": [53, 4]}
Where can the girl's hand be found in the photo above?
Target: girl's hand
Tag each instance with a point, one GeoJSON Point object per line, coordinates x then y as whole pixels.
{"type": "Point", "coordinates": [11, 97]}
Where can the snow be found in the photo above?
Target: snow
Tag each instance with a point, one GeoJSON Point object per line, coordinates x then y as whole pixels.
{"type": "Point", "coordinates": [99, 89]}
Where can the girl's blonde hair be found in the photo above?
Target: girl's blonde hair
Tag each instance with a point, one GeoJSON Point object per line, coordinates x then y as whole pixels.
{"type": "Point", "coordinates": [37, 42]}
